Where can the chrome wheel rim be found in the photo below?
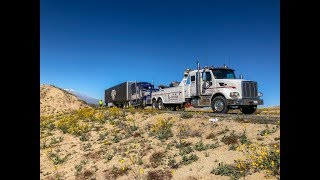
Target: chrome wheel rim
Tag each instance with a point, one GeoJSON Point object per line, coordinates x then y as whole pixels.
{"type": "Point", "coordinates": [218, 105]}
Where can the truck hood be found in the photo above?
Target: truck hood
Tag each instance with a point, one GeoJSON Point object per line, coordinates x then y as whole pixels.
{"type": "Point", "coordinates": [230, 82]}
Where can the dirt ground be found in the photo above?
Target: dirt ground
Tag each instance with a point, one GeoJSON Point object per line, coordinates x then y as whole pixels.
{"type": "Point", "coordinates": [66, 156]}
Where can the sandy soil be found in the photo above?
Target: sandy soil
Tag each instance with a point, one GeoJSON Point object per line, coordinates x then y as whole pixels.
{"type": "Point", "coordinates": [97, 165]}
{"type": "Point", "coordinates": [54, 100]}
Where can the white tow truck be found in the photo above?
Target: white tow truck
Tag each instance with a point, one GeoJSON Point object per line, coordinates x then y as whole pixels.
{"type": "Point", "coordinates": [215, 87]}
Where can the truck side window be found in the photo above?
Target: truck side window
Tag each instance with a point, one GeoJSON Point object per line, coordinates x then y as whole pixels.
{"type": "Point", "coordinates": [188, 80]}
{"type": "Point", "coordinates": [193, 78]}
{"type": "Point", "coordinates": [206, 76]}
{"type": "Point", "coordinates": [133, 89]}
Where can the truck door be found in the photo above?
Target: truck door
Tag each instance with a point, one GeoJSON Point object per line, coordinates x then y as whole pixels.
{"type": "Point", "coordinates": [193, 84]}
{"type": "Point", "coordinates": [206, 82]}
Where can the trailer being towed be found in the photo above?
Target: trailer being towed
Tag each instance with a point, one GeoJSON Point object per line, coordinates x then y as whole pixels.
{"type": "Point", "coordinates": [130, 93]}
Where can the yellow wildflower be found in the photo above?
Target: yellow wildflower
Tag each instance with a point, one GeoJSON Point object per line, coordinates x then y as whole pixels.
{"type": "Point", "coordinates": [141, 171]}
{"type": "Point", "coordinates": [122, 161]}
{"type": "Point", "coordinates": [272, 164]}
{"type": "Point", "coordinates": [172, 172]}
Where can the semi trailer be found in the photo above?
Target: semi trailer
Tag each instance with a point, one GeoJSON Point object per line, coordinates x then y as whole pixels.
{"type": "Point", "coordinates": [215, 87]}
{"type": "Point", "coordinates": [129, 93]}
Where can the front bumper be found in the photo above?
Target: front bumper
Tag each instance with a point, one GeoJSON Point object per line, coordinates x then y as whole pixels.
{"type": "Point", "coordinates": [245, 102]}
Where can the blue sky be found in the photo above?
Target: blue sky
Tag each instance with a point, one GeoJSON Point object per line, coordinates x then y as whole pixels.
{"type": "Point", "coordinates": [91, 45]}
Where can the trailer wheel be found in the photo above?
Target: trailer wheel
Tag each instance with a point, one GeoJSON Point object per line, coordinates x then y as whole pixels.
{"type": "Point", "coordinates": [154, 104]}
{"type": "Point", "coordinates": [248, 109]}
{"type": "Point", "coordinates": [160, 104]}
{"type": "Point", "coordinates": [219, 105]}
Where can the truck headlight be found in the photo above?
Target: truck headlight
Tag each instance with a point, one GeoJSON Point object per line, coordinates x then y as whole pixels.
{"type": "Point", "coordinates": [260, 94]}
{"type": "Point", "coordinates": [234, 94]}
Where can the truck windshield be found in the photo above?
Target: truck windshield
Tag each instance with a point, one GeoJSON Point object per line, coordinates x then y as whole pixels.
{"type": "Point", "coordinates": [223, 74]}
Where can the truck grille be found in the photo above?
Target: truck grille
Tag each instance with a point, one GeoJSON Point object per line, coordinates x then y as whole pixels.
{"type": "Point", "coordinates": [249, 89]}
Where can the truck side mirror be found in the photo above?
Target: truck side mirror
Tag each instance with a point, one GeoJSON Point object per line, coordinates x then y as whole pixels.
{"type": "Point", "coordinates": [241, 76]}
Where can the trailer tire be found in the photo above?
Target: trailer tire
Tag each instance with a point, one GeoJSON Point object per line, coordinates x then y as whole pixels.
{"type": "Point", "coordinates": [160, 104]}
{"type": "Point", "coordinates": [248, 109]}
{"type": "Point", "coordinates": [219, 105]}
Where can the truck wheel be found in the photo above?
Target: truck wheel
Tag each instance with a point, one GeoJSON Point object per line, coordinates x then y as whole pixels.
{"type": "Point", "coordinates": [154, 104]}
{"type": "Point", "coordinates": [219, 105]}
{"type": "Point", "coordinates": [160, 104]}
{"type": "Point", "coordinates": [248, 109]}
{"type": "Point", "coordinates": [126, 105]}
{"type": "Point", "coordinates": [143, 104]}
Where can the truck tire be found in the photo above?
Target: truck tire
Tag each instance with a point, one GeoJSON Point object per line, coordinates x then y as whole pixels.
{"type": "Point", "coordinates": [248, 109]}
{"type": "Point", "coordinates": [154, 104]}
{"type": "Point", "coordinates": [126, 105]}
{"type": "Point", "coordinates": [143, 104]}
{"type": "Point", "coordinates": [160, 104]}
{"type": "Point", "coordinates": [219, 105]}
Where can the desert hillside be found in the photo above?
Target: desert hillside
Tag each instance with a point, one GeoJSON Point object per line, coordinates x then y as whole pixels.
{"type": "Point", "coordinates": [54, 100]}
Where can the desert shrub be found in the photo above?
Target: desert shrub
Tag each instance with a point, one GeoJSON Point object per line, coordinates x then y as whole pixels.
{"type": "Point", "coordinates": [84, 137]}
{"type": "Point", "coordinates": [87, 174]}
{"type": "Point", "coordinates": [159, 175]}
{"type": "Point", "coordinates": [86, 147]}
{"type": "Point", "coordinates": [186, 150]}
{"type": "Point", "coordinates": [210, 135]}
{"type": "Point", "coordinates": [186, 115]}
{"type": "Point", "coordinates": [150, 111]}
{"type": "Point", "coordinates": [156, 159]}
{"type": "Point", "coordinates": [172, 163]}
{"type": "Point", "coordinates": [189, 159]}
{"type": "Point", "coordinates": [162, 128]}
{"type": "Point", "coordinates": [79, 167]}
{"type": "Point", "coordinates": [100, 117]}
{"type": "Point", "coordinates": [102, 135]}
{"type": "Point", "coordinates": [267, 131]}
{"type": "Point", "coordinates": [199, 146]}
{"type": "Point", "coordinates": [56, 159]}
{"type": "Point", "coordinates": [182, 144]}
{"type": "Point", "coordinates": [115, 172]}
{"type": "Point", "coordinates": [244, 139]}
{"type": "Point", "coordinates": [72, 125]}
{"type": "Point", "coordinates": [115, 112]}
{"type": "Point", "coordinates": [213, 146]}
{"type": "Point", "coordinates": [230, 139]}
{"type": "Point", "coordinates": [55, 140]}
{"type": "Point", "coordinates": [228, 170]}
{"type": "Point", "coordinates": [87, 114]}
{"type": "Point", "coordinates": [262, 158]}
{"type": "Point", "coordinates": [116, 138]}
{"type": "Point", "coordinates": [47, 122]}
